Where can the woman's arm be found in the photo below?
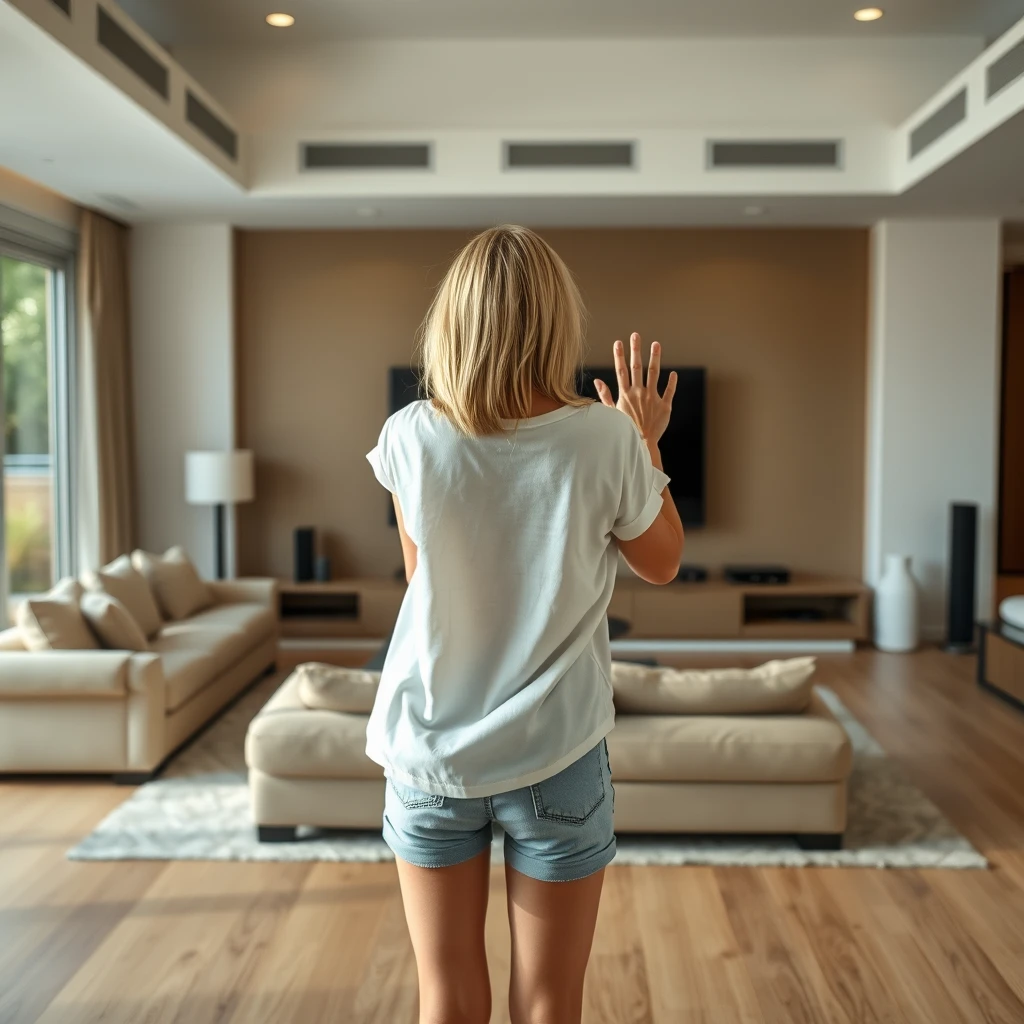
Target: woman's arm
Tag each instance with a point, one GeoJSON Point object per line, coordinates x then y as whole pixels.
{"type": "Point", "coordinates": [655, 555]}
{"type": "Point", "coordinates": [409, 551]}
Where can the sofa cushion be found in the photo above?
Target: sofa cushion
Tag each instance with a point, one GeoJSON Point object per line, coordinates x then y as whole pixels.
{"type": "Point", "coordinates": [332, 688]}
{"type": "Point", "coordinates": [190, 664]}
{"type": "Point", "coordinates": [808, 747]}
{"type": "Point", "coordinates": [111, 622]}
{"type": "Point", "coordinates": [176, 585]}
{"type": "Point", "coordinates": [122, 580]}
{"type": "Point", "coordinates": [777, 687]}
{"type": "Point", "coordinates": [54, 621]}
{"type": "Point", "coordinates": [12, 640]}
{"type": "Point", "coordinates": [227, 632]}
{"type": "Point", "coordinates": [290, 740]}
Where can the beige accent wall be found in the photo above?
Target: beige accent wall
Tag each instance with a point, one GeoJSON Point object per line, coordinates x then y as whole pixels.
{"type": "Point", "coordinates": [778, 317]}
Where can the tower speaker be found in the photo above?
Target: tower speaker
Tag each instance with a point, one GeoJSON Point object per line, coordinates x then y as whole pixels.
{"type": "Point", "coordinates": [305, 543]}
{"type": "Point", "coordinates": [963, 544]}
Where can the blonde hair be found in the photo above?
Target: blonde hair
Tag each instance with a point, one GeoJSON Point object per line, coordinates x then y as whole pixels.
{"type": "Point", "coordinates": [507, 319]}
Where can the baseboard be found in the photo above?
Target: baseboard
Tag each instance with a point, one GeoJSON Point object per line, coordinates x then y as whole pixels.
{"type": "Point", "coordinates": [656, 647]}
{"type": "Point", "coordinates": [650, 647]}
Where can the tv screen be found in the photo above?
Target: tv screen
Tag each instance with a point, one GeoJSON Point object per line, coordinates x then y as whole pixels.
{"type": "Point", "coordinates": [682, 447]}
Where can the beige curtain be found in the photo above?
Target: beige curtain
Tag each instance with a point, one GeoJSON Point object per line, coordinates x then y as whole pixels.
{"type": "Point", "coordinates": [105, 465]}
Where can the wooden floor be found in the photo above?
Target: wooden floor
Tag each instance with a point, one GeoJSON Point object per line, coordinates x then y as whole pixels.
{"type": "Point", "coordinates": [251, 943]}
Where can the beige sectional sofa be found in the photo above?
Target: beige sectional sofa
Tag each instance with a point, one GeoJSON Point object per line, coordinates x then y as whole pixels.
{"type": "Point", "coordinates": [124, 711]}
{"type": "Point", "coordinates": [730, 751]}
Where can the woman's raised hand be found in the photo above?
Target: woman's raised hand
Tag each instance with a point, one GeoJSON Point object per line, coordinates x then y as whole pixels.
{"type": "Point", "coordinates": [641, 401]}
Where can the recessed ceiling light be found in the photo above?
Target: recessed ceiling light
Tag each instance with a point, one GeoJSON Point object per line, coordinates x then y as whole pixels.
{"type": "Point", "coordinates": [280, 20]}
{"type": "Point", "coordinates": [869, 14]}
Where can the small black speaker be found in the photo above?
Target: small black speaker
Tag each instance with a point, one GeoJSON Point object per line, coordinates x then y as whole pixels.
{"type": "Point", "coordinates": [963, 544]}
{"type": "Point", "coordinates": [305, 542]}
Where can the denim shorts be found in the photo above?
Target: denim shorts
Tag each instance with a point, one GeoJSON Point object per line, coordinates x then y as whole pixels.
{"type": "Point", "coordinates": [558, 830]}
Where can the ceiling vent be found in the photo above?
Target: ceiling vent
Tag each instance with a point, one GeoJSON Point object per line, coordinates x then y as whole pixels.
{"type": "Point", "coordinates": [64, 5]}
{"type": "Point", "coordinates": [945, 119]}
{"type": "Point", "coordinates": [1005, 71]}
{"type": "Point", "coordinates": [132, 54]}
{"type": "Point", "coordinates": [118, 202]}
{"type": "Point", "coordinates": [366, 156]}
{"type": "Point", "coordinates": [546, 156]}
{"type": "Point", "coordinates": [201, 117]}
{"type": "Point", "coordinates": [795, 154]}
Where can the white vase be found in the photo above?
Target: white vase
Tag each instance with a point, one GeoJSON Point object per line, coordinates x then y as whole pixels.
{"type": "Point", "coordinates": [896, 607]}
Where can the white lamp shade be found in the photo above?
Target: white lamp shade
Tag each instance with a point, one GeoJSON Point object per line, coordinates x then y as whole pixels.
{"type": "Point", "coordinates": [219, 478]}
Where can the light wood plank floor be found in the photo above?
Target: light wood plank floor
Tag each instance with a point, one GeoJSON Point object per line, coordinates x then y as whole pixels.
{"type": "Point", "coordinates": [253, 943]}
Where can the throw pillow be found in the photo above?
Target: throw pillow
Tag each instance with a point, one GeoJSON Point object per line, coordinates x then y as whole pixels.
{"type": "Point", "coordinates": [121, 580]}
{"type": "Point", "coordinates": [331, 688]}
{"type": "Point", "coordinates": [112, 622]}
{"type": "Point", "coordinates": [174, 581]}
{"type": "Point", "coordinates": [54, 622]}
{"type": "Point", "coordinates": [777, 687]}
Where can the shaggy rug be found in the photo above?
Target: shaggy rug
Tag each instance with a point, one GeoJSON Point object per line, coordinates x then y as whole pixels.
{"type": "Point", "coordinates": [198, 809]}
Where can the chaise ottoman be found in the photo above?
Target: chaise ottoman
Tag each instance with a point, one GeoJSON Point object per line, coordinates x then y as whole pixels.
{"type": "Point", "coordinates": [689, 753]}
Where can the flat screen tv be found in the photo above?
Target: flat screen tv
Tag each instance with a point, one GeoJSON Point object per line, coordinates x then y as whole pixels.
{"type": "Point", "coordinates": [682, 447]}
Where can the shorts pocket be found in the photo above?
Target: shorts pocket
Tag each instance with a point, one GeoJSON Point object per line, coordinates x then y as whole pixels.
{"type": "Point", "coordinates": [411, 798]}
{"type": "Point", "coordinates": [575, 793]}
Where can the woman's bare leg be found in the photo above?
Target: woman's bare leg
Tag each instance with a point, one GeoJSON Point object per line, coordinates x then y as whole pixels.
{"type": "Point", "coordinates": [445, 909]}
{"type": "Point", "coordinates": [552, 925]}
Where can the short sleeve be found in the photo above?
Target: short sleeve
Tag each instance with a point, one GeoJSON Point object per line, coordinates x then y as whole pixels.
{"type": "Point", "coordinates": [380, 461]}
{"type": "Point", "coordinates": [642, 484]}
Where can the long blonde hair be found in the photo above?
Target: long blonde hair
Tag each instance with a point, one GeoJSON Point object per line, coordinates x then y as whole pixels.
{"type": "Point", "coordinates": [507, 319]}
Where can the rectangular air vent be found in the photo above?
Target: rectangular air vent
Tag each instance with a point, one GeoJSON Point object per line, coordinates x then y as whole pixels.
{"type": "Point", "coordinates": [1005, 71]}
{"type": "Point", "coordinates": [64, 5]}
{"type": "Point", "coordinates": [132, 54]}
{"type": "Point", "coordinates": [747, 154]}
{"type": "Point", "coordinates": [932, 128]}
{"type": "Point", "coordinates": [200, 116]}
{"type": "Point", "coordinates": [541, 156]}
{"type": "Point", "coordinates": [366, 156]}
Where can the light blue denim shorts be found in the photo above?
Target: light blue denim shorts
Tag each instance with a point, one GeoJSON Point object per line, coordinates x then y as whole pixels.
{"type": "Point", "coordinates": [558, 830]}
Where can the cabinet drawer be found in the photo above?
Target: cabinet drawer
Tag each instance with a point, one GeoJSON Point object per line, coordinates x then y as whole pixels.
{"type": "Point", "coordinates": [685, 611]}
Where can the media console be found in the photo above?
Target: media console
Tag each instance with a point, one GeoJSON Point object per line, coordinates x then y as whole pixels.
{"type": "Point", "coordinates": [323, 621]}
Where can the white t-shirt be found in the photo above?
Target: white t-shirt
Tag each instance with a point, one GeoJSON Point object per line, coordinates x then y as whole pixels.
{"type": "Point", "coordinates": [497, 675]}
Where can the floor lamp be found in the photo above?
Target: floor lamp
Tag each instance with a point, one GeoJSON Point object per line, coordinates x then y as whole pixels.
{"type": "Point", "coordinates": [219, 479]}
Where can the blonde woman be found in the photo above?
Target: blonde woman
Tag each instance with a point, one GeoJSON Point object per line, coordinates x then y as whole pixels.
{"type": "Point", "coordinates": [514, 496]}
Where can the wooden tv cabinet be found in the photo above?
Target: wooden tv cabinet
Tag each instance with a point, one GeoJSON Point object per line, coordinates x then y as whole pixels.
{"type": "Point", "coordinates": [807, 608]}
{"type": "Point", "coordinates": [1001, 661]}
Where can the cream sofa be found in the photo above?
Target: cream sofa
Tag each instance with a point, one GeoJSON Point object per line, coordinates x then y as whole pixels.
{"type": "Point", "coordinates": [783, 771]}
{"type": "Point", "coordinates": [124, 712]}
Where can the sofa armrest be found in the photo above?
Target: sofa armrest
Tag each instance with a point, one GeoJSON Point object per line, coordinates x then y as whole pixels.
{"type": "Point", "coordinates": [10, 640]}
{"type": "Point", "coordinates": [35, 674]}
{"type": "Point", "coordinates": [255, 590]}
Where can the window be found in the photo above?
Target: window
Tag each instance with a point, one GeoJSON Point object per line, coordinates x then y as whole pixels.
{"type": "Point", "coordinates": [34, 400]}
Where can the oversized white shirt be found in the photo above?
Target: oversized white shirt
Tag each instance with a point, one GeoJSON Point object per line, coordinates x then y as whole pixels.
{"type": "Point", "coordinates": [497, 675]}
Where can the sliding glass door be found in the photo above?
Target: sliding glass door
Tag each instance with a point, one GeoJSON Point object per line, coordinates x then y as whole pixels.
{"type": "Point", "coordinates": [34, 327]}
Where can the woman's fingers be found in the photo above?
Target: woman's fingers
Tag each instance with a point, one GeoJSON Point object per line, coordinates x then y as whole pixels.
{"type": "Point", "coordinates": [621, 373]}
{"type": "Point", "coordinates": [636, 362]}
{"type": "Point", "coordinates": [604, 393]}
{"type": "Point", "coordinates": [670, 387]}
{"type": "Point", "coordinates": [654, 368]}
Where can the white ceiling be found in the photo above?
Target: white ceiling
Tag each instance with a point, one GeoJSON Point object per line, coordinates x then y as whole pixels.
{"type": "Point", "coordinates": [231, 22]}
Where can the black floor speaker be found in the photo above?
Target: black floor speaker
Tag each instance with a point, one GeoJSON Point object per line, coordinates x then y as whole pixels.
{"type": "Point", "coordinates": [963, 549]}
{"type": "Point", "coordinates": [305, 544]}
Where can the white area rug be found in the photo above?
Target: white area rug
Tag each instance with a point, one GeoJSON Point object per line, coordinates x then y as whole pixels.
{"type": "Point", "coordinates": [199, 810]}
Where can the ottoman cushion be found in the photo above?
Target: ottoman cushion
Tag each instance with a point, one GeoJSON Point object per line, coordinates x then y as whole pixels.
{"type": "Point", "coordinates": [809, 747]}
{"type": "Point", "coordinates": [332, 688]}
{"type": "Point", "coordinates": [290, 740]}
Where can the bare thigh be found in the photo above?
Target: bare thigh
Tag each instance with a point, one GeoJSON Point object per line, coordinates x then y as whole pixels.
{"type": "Point", "coordinates": [552, 925]}
{"type": "Point", "coordinates": [445, 909]}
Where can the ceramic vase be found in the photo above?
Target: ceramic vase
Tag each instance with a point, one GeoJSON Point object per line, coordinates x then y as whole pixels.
{"type": "Point", "coordinates": [897, 626]}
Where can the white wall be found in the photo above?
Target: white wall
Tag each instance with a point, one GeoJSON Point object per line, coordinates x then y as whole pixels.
{"type": "Point", "coordinates": [933, 398]}
{"type": "Point", "coordinates": [183, 328]}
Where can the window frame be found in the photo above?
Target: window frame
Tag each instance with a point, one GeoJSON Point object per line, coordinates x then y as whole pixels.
{"type": "Point", "coordinates": [24, 238]}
